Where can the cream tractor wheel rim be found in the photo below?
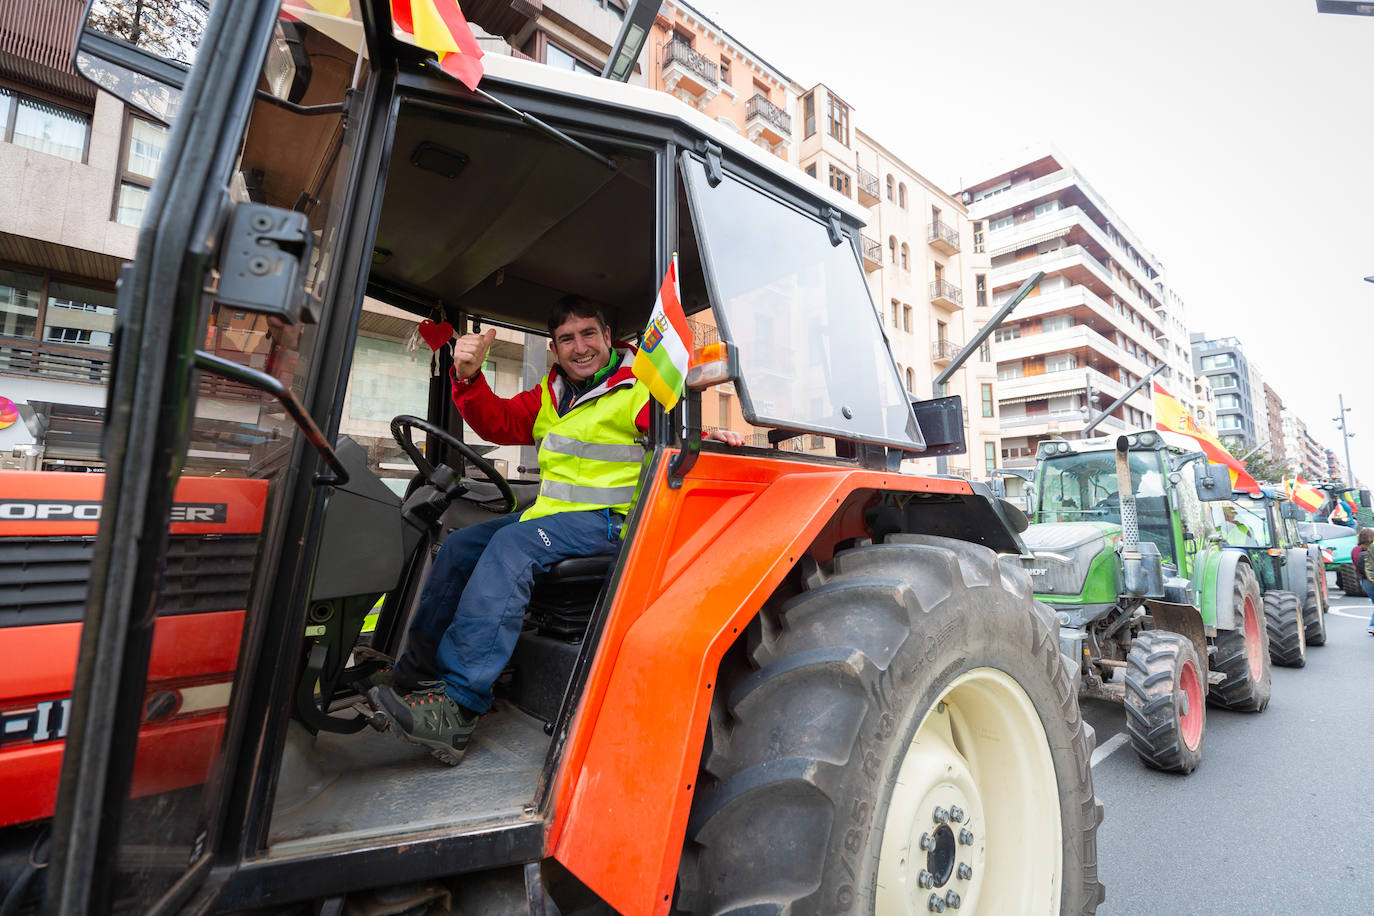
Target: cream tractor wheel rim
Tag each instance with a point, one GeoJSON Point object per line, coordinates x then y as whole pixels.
{"type": "Point", "coordinates": [974, 825]}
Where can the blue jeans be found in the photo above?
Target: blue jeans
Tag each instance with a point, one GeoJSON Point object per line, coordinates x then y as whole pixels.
{"type": "Point", "coordinates": [1368, 590]}
{"type": "Point", "coordinates": [474, 602]}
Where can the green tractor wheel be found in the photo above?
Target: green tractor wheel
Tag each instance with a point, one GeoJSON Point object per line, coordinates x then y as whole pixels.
{"type": "Point", "coordinates": [1166, 709]}
{"type": "Point", "coordinates": [1283, 618]}
{"type": "Point", "coordinates": [1242, 654]}
{"type": "Point", "coordinates": [1314, 605]}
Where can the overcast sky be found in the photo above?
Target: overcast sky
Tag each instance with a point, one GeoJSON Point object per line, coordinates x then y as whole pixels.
{"type": "Point", "coordinates": [1235, 138]}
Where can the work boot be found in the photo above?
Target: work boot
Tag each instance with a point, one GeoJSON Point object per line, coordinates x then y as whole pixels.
{"type": "Point", "coordinates": [428, 717]}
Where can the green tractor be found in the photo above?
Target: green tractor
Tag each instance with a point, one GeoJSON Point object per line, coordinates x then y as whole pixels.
{"type": "Point", "coordinates": [1155, 613]}
{"type": "Point", "coordinates": [1291, 573]}
{"type": "Point", "coordinates": [1337, 540]}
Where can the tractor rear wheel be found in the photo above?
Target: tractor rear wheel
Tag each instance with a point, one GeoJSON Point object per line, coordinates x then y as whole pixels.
{"type": "Point", "coordinates": [1166, 701]}
{"type": "Point", "coordinates": [1283, 618]}
{"type": "Point", "coordinates": [1348, 581]}
{"type": "Point", "coordinates": [1314, 605]}
{"type": "Point", "coordinates": [902, 735]}
{"type": "Point", "coordinates": [1242, 654]}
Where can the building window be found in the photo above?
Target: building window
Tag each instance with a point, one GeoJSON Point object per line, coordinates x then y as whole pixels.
{"type": "Point", "coordinates": [1219, 361]}
{"type": "Point", "coordinates": [837, 116]}
{"type": "Point", "coordinates": [906, 318]}
{"type": "Point", "coordinates": [1047, 207]}
{"type": "Point", "coordinates": [839, 180]}
{"type": "Point", "coordinates": [1001, 222]}
{"type": "Point", "coordinates": [809, 113]}
{"type": "Point", "coordinates": [892, 249]}
{"type": "Point", "coordinates": [1007, 332]}
{"type": "Point", "coordinates": [1060, 362]}
{"type": "Point", "coordinates": [978, 244]}
{"type": "Point", "coordinates": [555, 56]}
{"type": "Point", "coordinates": [811, 170]}
{"type": "Point", "coordinates": [725, 70]}
{"type": "Point", "coordinates": [896, 310]}
{"type": "Point", "coordinates": [140, 160]}
{"type": "Point", "coordinates": [19, 298]}
{"type": "Point", "coordinates": [1010, 370]}
{"type": "Point", "coordinates": [985, 352]}
{"type": "Point", "coordinates": [906, 257]}
{"type": "Point", "coordinates": [980, 285]}
{"type": "Point", "coordinates": [987, 399]}
{"type": "Point", "coordinates": [890, 185]}
{"type": "Point", "coordinates": [990, 457]}
{"type": "Point", "coordinates": [74, 315]}
{"type": "Point", "coordinates": [1055, 323]}
{"type": "Point", "coordinates": [901, 195]}
{"type": "Point", "coordinates": [43, 126]}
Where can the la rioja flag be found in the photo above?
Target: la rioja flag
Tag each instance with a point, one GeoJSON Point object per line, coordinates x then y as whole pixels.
{"type": "Point", "coordinates": [665, 354]}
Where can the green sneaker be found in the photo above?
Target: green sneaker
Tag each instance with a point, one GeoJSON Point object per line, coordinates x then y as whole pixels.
{"type": "Point", "coordinates": [428, 717]}
{"type": "Point", "coordinates": [382, 677]}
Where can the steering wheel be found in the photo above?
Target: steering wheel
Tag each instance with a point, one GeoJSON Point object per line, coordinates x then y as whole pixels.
{"type": "Point", "coordinates": [1110, 501]}
{"type": "Point", "coordinates": [401, 428]}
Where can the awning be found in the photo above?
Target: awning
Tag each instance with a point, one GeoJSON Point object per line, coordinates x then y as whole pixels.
{"type": "Point", "coordinates": [65, 431]}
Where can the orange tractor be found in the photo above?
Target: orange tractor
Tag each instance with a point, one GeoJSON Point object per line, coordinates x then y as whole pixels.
{"type": "Point", "coordinates": [809, 682]}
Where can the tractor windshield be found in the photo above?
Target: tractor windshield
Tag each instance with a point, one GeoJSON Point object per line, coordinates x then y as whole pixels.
{"type": "Point", "coordinates": [1245, 523]}
{"type": "Point", "coordinates": [1078, 488]}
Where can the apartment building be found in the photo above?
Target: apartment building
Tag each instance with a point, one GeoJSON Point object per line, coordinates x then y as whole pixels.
{"type": "Point", "coordinates": [1096, 324]}
{"type": "Point", "coordinates": [1300, 448]}
{"type": "Point", "coordinates": [75, 167]}
{"type": "Point", "coordinates": [1273, 411]}
{"type": "Point", "coordinates": [1221, 362]}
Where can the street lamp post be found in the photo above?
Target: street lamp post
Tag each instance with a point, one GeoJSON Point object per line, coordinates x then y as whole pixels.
{"type": "Point", "coordinates": [1345, 437]}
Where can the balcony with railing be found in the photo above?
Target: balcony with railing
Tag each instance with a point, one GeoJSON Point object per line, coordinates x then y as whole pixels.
{"type": "Point", "coordinates": [869, 188]}
{"type": "Point", "coordinates": [765, 121]}
{"type": "Point", "coordinates": [53, 362]}
{"type": "Point", "coordinates": [689, 75]}
{"type": "Point", "coordinates": [945, 294]}
{"type": "Point", "coordinates": [942, 351]}
{"type": "Point", "coordinates": [943, 237]}
{"type": "Point", "coordinates": [872, 251]}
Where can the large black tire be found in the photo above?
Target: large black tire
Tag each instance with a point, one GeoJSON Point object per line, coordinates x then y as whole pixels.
{"type": "Point", "coordinates": [904, 726]}
{"type": "Point", "coordinates": [1348, 581]}
{"type": "Point", "coordinates": [1284, 619]}
{"type": "Point", "coordinates": [1166, 707]}
{"type": "Point", "coordinates": [1242, 654]}
{"type": "Point", "coordinates": [1314, 604]}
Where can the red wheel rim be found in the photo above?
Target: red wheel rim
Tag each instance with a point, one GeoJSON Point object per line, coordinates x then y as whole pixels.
{"type": "Point", "coordinates": [1253, 650]}
{"type": "Point", "coordinates": [1190, 722]}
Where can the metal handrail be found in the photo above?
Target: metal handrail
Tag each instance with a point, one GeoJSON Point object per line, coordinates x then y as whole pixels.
{"type": "Point", "coordinates": [942, 231]}
{"type": "Point", "coordinates": [868, 182]}
{"type": "Point", "coordinates": [943, 289]}
{"type": "Point", "coordinates": [680, 52]}
{"type": "Point", "coordinates": [944, 349]}
{"type": "Point", "coordinates": [872, 249]}
{"type": "Point", "coordinates": [759, 107]}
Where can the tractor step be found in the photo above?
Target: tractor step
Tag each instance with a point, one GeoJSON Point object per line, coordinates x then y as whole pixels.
{"type": "Point", "coordinates": [1215, 677]}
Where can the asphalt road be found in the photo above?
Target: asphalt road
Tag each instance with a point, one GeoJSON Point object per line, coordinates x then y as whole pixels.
{"type": "Point", "coordinates": [1278, 817]}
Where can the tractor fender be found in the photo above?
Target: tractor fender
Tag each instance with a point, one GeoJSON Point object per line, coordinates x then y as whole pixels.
{"type": "Point", "coordinates": [1295, 570]}
{"type": "Point", "coordinates": [1220, 588]}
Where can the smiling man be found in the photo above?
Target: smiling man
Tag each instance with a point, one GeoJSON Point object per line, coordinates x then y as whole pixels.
{"type": "Point", "coordinates": [585, 416]}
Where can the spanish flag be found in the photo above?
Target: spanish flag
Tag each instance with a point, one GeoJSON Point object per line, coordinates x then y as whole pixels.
{"type": "Point", "coordinates": [1170, 416]}
{"type": "Point", "coordinates": [664, 354]}
{"type": "Point", "coordinates": [1304, 495]}
{"type": "Point", "coordinates": [439, 26]}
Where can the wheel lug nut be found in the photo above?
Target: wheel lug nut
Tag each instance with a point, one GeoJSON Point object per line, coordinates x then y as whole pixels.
{"type": "Point", "coordinates": [936, 904]}
{"type": "Point", "coordinates": [927, 842]}
{"type": "Point", "coordinates": [956, 814]}
{"type": "Point", "coordinates": [965, 837]}
{"type": "Point", "coordinates": [925, 879]}
{"type": "Point", "coordinates": [941, 815]}
{"type": "Point", "coordinates": [952, 899]}
{"type": "Point", "coordinates": [965, 872]}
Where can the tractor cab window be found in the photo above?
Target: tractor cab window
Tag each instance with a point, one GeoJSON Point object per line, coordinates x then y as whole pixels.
{"type": "Point", "coordinates": [1083, 488]}
{"type": "Point", "coordinates": [1243, 522]}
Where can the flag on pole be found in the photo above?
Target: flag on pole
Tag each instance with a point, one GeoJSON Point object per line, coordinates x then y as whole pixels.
{"type": "Point", "coordinates": [664, 354]}
{"type": "Point", "coordinates": [1171, 416]}
{"type": "Point", "coordinates": [439, 26]}
{"type": "Point", "coordinates": [1304, 495]}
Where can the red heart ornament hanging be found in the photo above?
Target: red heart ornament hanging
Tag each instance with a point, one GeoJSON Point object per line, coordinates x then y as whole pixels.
{"type": "Point", "coordinates": [436, 335]}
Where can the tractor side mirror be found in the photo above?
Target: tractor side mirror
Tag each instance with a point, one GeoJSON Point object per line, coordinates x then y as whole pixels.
{"type": "Point", "coordinates": [1364, 499]}
{"type": "Point", "coordinates": [1213, 481]}
{"type": "Point", "coordinates": [1290, 511]}
{"type": "Point", "coordinates": [141, 52]}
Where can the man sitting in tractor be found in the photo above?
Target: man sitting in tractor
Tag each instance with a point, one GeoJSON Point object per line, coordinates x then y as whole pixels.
{"type": "Point", "coordinates": [586, 417]}
{"type": "Point", "coordinates": [1235, 531]}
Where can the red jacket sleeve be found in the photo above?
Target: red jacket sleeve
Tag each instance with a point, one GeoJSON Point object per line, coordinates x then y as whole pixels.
{"type": "Point", "coordinates": [504, 421]}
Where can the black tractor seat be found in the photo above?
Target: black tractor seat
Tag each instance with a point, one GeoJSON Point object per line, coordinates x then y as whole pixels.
{"type": "Point", "coordinates": [562, 599]}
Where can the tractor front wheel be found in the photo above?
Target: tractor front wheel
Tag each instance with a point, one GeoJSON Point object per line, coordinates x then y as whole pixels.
{"type": "Point", "coordinates": [1348, 581]}
{"type": "Point", "coordinates": [1242, 654]}
{"type": "Point", "coordinates": [1166, 706]}
{"type": "Point", "coordinates": [902, 736]}
{"type": "Point", "coordinates": [1314, 604]}
{"type": "Point", "coordinates": [1283, 618]}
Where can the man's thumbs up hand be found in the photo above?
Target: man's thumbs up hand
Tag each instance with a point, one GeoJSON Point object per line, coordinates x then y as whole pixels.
{"type": "Point", "coordinates": [470, 351]}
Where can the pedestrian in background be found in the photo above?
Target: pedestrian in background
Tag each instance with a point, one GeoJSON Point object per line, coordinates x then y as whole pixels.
{"type": "Point", "coordinates": [1363, 559]}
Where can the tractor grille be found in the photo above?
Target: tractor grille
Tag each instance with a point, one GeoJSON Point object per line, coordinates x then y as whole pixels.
{"type": "Point", "coordinates": [44, 580]}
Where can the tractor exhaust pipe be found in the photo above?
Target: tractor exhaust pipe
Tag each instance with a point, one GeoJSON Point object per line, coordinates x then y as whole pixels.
{"type": "Point", "coordinates": [1131, 573]}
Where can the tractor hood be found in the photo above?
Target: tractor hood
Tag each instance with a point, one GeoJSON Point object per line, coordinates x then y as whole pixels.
{"type": "Point", "coordinates": [1068, 555]}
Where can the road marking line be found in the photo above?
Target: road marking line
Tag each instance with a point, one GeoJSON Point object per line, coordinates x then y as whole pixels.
{"type": "Point", "coordinates": [1108, 747]}
{"type": "Point", "coordinates": [1340, 613]}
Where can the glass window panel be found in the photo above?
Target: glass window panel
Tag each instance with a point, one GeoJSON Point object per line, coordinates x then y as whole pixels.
{"type": "Point", "coordinates": [51, 129]}
{"type": "Point", "coordinates": [80, 316]}
{"type": "Point", "coordinates": [812, 354]}
{"type": "Point", "coordinates": [133, 200]}
{"type": "Point", "coordinates": [146, 143]}
{"type": "Point", "coordinates": [6, 100]}
{"type": "Point", "coordinates": [19, 294]}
